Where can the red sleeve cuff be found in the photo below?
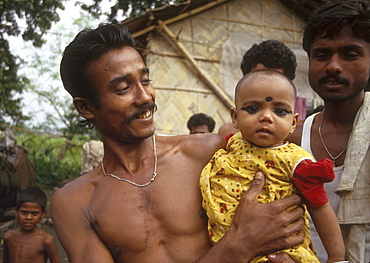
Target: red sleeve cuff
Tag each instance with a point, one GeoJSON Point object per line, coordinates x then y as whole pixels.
{"type": "Point", "coordinates": [309, 178]}
{"type": "Point", "coordinates": [229, 136]}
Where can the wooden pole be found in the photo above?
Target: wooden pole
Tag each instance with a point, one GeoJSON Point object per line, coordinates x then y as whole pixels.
{"type": "Point", "coordinates": [179, 17]}
{"type": "Point", "coordinates": [226, 100]}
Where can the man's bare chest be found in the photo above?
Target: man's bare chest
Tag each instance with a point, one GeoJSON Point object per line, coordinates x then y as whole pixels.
{"type": "Point", "coordinates": [130, 218]}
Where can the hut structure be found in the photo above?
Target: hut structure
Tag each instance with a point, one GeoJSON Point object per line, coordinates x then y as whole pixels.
{"type": "Point", "coordinates": [194, 49]}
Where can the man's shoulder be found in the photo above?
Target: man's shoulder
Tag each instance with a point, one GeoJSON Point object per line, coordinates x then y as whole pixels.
{"type": "Point", "coordinates": [195, 145]}
{"type": "Point", "coordinates": [208, 139]}
{"type": "Point", "coordinates": [204, 142]}
{"type": "Point", "coordinates": [76, 190]}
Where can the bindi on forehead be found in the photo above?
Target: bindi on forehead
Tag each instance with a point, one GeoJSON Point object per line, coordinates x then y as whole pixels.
{"type": "Point", "coordinates": [268, 99]}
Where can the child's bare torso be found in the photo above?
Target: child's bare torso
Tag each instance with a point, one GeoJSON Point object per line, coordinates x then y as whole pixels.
{"type": "Point", "coordinates": [26, 247]}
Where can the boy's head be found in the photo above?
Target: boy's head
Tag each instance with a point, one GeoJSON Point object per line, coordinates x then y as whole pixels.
{"type": "Point", "coordinates": [33, 195]}
{"type": "Point", "coordinates": [201, 123]}
{"type": "Point", "coordinates": [271, 54]}
{"type": "Point", "coordinates": [264, 108]}
{"type": "Point", "coordinates": [30, 207]}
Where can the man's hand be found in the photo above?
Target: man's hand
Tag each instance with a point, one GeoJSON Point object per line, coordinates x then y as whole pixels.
{"type": "Point", "coordinates": [260, 229]}
{"type": "Point", "coordinates": [266, 228]}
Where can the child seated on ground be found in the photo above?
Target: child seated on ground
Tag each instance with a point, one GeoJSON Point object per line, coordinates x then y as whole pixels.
{"type": "Point", "coordinates": [29, 243]}
{"type": "Point", "coordinates": [264, 114]}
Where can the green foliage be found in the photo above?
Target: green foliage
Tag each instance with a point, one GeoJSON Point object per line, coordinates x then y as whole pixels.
{"type": "Point", "coordinates": [10, 83]}
{"type": "Point", "coordinates": [38, 16]}
{"type": "Point", "coordinates": [43, 153]}
{"type": "Point", "coordinates": [54, 102]}
{"type": "Point", "coordinates": [128, 7]}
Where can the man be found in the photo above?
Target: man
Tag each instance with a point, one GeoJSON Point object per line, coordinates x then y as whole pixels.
{"type": "Point", "coordinates": [200, 123]}
{"type": "Point", "coordinates": [337, 41]}
{"type": "Point", "coordinates": [143, 203]}
{"type": "Point", "coordinates": [269, 54]}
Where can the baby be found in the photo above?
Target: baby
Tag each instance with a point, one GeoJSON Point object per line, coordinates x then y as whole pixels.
{"type": "Point", "coordinates": [264, 114]}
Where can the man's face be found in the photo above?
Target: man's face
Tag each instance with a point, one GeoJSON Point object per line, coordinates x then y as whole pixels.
{"type": "Point", "coordinates": [339, 68]}
{"type": "Point", "coordinates": [264, 110]}
{"type": "Point", "coordinates": [125, 93]}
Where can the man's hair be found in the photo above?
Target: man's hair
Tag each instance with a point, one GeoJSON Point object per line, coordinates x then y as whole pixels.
{"type": "Point", "coordinates": [33, 195]}
{"type": "Point", "coordinates": [272, 54]}
{"type": "Point", "coordinates": [201, 119]}
{"type": "Point", "coordinates": [332, 17]}
{"type": "Point", "coordinates": [89, 45]}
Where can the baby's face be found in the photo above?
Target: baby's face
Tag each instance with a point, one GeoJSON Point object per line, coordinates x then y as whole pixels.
{"type": "Point", "coordinates": [264, 110]}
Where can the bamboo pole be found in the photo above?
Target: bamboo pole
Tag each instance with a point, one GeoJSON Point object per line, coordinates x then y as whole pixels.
{"type": "Point", "coordinates": [226, 100]}
{"type": "Point", "coordinates": [180, 17]}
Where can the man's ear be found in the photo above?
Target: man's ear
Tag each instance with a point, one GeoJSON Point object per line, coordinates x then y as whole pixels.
{"type": "Point", "coordinates": [234, 116]}
{"type": "Point", "coordinates": [83, 107]}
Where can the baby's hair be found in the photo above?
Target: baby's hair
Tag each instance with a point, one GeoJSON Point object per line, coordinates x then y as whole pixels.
{"type": "Point", "coordinates": [267, 72]}
{"type": "Point", "coordinates": [33, 195]}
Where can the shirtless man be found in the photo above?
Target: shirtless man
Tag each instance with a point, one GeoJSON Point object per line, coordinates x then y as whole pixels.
{"type": "Point", "coordinates": [337, 41]}
{"type": "Point", "coordinates": [143, 204]}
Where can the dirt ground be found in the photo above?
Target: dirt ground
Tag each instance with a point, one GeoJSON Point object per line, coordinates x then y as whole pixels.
{"type": "Point", "coordinates": [47, 228]}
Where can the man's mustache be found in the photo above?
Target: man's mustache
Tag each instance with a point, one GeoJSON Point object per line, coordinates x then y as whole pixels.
{"type": "Point", "coordinates": [334, 77]}
{"type": "Point", "coordinates": [149, 107]}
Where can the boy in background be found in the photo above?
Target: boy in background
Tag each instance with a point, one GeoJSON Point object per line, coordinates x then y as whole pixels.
{"type": "Point", "coordinates": [29, 243]}
{"type": "Point", "coordinates": [201, 123]}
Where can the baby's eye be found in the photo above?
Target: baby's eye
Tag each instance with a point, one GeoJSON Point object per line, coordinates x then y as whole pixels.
{"type": "Point", "coordinates": [251, 109]}
{"type": "Point", "coordinates": [282, 111]}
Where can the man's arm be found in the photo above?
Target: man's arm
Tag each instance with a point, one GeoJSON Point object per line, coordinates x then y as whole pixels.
{"type": "Point", "coordinates": [259, 228]}
{"type": "Point", "coordinates": [73, 228]}
{"type": "Point", "coordinates": [327, 226]}
{"type": "Point", "coordinates": [227, 129]}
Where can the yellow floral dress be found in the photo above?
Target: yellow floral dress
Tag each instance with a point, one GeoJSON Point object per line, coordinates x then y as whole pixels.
{"type": "Point", "coordinates": [229, 174]}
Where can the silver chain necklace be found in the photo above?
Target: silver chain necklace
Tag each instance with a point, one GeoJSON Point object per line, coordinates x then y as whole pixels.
{"type": "Point", "coordinates": [131, 182]}
{"type": "Point", "coordinates": [323, 143]}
